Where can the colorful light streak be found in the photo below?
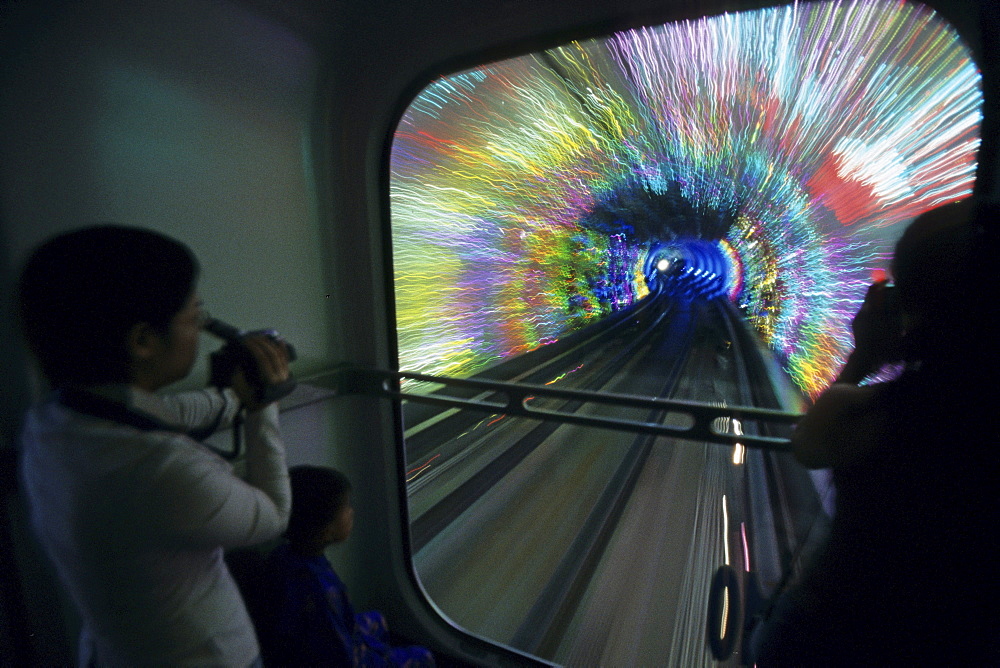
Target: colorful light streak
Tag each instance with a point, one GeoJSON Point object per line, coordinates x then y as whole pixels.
{"type": "Point", "coordinates": [526, 193]}
{"type": "Point", "coordinates": [560, 377]}
{"type": "Point", "coordinates": [416, 471]}
{"type": "Point", "coordinates": [746, 547]}
{"type": "Point", "coordinates": [734, 271]}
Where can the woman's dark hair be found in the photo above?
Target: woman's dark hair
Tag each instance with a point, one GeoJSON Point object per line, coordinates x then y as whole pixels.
{"type": "Point", "coordinates": [81, 292]}
{"type": "Point", "coordinates": [318, 494]}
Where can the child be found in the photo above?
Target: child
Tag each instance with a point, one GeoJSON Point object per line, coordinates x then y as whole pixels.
{"type": "Point", "coordinates": [314, 623]}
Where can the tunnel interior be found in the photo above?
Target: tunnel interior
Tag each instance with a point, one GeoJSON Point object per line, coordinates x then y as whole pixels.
{"type": "Point", "coordinates": [770, 157]}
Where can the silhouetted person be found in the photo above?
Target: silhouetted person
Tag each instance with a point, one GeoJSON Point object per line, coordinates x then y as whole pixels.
{"type": "Point", "coordinates": [905, 577]}
{"type": "Point", "coordinates": [314, 623]}
{"type": "Point", "coordinates": [133, 512]}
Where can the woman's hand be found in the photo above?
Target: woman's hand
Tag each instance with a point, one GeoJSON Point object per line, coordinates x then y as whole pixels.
{"type": "Point", "coordinates": [271, 359]}
{"type": "Point", "coordinates": [877, 329]}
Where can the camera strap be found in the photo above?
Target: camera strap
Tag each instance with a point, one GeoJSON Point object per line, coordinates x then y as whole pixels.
{"type": "Point", "coordinates": [96, 405]}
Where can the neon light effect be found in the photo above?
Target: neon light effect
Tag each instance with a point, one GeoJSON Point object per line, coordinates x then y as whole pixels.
{"type": "Point", "coordinates": [561, 376]}
{"type": "Point", "coordinates": [526, 194]}
{"type": "Point", "coordinates": [725, 528]}
{"type": "Point", "coordinates": [415, 472]}
{"type": "Point", "coordinates": [746, 547]}
{"type": "Point", "coordinates": [734, 270]}
{"type": "Point", "coordinates": [739, 450]}
{"type": "Point", "coordinates": [725, 542]}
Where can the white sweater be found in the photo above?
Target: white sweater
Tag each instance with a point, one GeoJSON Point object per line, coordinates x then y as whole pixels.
{"type": "Point", "coordinates": [136, 521]}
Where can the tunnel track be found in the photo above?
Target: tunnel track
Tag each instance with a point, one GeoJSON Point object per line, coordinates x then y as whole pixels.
{"type": "Point", "coordinates": [543, 630]}
{"type": "Point", "coordinates": [545, 623]}
{"type": "Point", "coordinates": [428, 524]}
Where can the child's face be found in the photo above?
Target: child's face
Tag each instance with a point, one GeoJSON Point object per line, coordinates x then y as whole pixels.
{"type": "Point", "coordinates": [340, 527]}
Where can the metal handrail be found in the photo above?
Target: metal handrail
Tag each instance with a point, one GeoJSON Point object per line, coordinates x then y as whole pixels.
{"type": "Point", "coordinates": [703, 424]}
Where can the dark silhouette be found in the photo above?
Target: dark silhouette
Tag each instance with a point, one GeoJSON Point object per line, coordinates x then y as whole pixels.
{"type": "Point", "coordinates": [905, 576]}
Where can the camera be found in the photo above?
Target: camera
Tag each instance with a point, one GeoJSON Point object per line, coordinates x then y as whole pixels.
{"type": "Point", "coordinates": [234, 355]}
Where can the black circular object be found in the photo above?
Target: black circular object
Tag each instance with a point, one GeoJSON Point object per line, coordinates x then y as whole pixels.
{"type": "Point", "coordinates": [725, 612]}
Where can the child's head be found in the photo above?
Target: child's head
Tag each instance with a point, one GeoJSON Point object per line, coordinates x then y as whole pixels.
{"type": "Point", "coordinates": [321, 508]}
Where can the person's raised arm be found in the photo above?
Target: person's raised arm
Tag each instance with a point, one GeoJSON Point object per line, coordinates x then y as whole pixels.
{"type": "Point", "coordinates": [265, 462]}
{"type": "Point", "coordinates": [206, 408]}
{"type": "Point", "coordinates": [271, 357]}
{"type": "Point", "coordinates": [201, 502]}
{"type": "Point", "coordinates": [841, 425]}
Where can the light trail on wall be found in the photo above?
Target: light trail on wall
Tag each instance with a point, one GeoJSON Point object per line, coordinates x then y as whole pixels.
{"type": "Point", "coordinates": [525, 194]}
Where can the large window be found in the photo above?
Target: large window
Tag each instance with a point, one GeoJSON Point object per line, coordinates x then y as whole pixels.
{"type": "Point", "coordinates": [691, 210]}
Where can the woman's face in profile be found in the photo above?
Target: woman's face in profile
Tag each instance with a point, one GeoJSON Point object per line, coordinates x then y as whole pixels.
{"type": "Point", "coordinates": [181, 343]}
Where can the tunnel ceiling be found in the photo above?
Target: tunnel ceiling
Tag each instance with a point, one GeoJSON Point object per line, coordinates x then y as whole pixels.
{"type": "Point", "coordinates": [526, 195]}
{"type": "Point", "coordinates": [649, 215]}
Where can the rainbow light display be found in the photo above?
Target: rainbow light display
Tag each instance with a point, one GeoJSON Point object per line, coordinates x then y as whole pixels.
{"type": "Point", "coordinates": [526, 193]}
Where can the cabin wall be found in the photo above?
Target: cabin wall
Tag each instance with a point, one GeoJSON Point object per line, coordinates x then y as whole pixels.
{"type": "Point", "coordinates": [191, 117]}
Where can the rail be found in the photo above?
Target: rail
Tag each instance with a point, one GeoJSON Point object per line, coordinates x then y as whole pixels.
{"type": "Point", "coordinates": [726, 425]}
